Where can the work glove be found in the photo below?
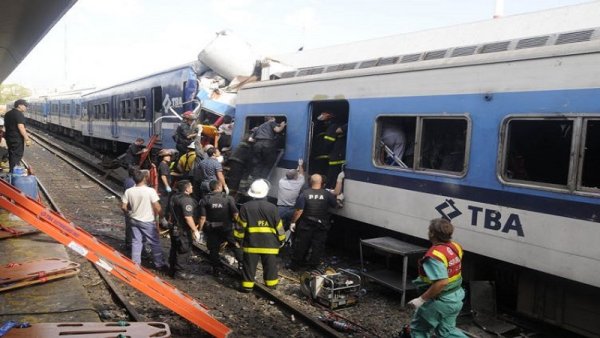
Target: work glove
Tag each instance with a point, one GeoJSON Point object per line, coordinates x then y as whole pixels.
{"type": "Point", "coordinates": [416, 303]}
{"type": "Point", "coordinates": [226, 190]}
{"type": "Point", "coordinates": [300, 162]}
{"type": "Point", "coordinates": [196, 235]}
{"type": "Point", "coordinates": [341, 176]}
{"type": "Point", "coordinates": [168, 189]}
{"type": "Point", "coordinates": [28, 143]}
{"type": "Point", "coordinates": [293, 227]}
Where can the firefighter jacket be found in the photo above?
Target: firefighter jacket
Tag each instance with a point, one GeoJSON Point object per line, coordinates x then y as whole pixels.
{"type": "Point", "coordinates": [260, 228]}
{"type": "Point", "coordinates": [337, 155]}
{"type": "Point", "coordinates": [218, 208]}
{"type": "Point", "coordinates": [451, 255]}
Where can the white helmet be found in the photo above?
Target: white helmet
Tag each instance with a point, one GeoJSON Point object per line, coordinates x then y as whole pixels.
{"type": "Point", "coordinates": [259, 189]}
{"type": "Point", "coordinates": [192, 145]}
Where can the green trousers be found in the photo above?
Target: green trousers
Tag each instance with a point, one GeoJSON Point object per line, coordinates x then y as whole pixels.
{"type": "Point", "coordinates": [438, 315]}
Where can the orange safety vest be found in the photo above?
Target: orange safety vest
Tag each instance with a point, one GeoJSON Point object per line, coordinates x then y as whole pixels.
{"type": "Point", "coordinates": [448, 253]}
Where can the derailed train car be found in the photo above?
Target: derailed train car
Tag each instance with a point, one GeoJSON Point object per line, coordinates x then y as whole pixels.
{"type": "Point", "coordinates": [505, 142]}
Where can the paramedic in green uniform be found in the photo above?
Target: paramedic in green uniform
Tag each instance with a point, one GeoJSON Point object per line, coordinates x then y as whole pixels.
{"type": "Point", "coordinates": [440, 279]}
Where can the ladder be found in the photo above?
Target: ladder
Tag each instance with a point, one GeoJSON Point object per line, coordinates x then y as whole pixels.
{"type": "Point", "coordinates": [150, 145]}
{"type": "Point", "coordinates": [77, 239]}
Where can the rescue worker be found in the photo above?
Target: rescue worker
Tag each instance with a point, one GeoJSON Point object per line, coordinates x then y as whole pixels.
{"type": "Point", "coordinates": [186, 162]}
{"type": "Point", "coordinates": [133, 153]}
{"type": "Point", "coordinates": [440, 277]}
{"type": "Point", "coordinates": [186, 132]}
{"type": "Point", "coordinates": [207, 170]}
{"type": "Point", "coordinates": [183, 230]}
{"type": "Point", "coordinates": [265, 147]}
{"type": "Point", "coordinates": [238, 164]}
{"type": "Point", "coordinates": [337, 156]}
{"type": "Point", "coordinates": [261, 232]}
{"type": "Point", "coordinates": [322, 144]}
{"type": "Point", "coordinates": [217, 212]}
{"type": "Point", "coordinates": [287, 193]}
{"type": "Point", "coordinates": [164, 183]}
{"type": "Point", "coordinates": [312, 215]}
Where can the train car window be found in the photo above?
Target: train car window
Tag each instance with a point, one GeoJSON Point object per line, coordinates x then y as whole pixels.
{"type": "Point", "coordinates": [77, 110]}
{"type": "Point", "coordinates": [139, 106]}
{"type": "Point", "coordinates": [67, 109]}
{"type": "Point", "coordinates": [125, 109]}
{"type": "Point", "coordinates": [395, 141]}
{"type": "Point", "coordinates": [443, 144]}
{"type": "Point", "coordinates": [105, 111]}
{"type": "Point", "coordinates": [538, 150]}
{"type": "Point", "coordinates": [253, 122]}
{"type": "Point", "coordinates": [591, 156]}
{"type": "Point", "coordinates": [96, 112]}
{"type": "Point", "coordinates": [55, 108]}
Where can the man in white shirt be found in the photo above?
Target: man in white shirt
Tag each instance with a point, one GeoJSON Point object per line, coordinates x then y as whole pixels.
{"type": "Point", "coordinates": [141, 203]}
{"type": "Point", "coordinates": [289, 189]}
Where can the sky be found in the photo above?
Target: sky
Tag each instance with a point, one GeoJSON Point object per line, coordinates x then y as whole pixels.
{"type": "Point", "coordinates": [103, 42]}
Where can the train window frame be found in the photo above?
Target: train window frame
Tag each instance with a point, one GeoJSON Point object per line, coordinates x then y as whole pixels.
{"type": "Point", "coordinates": [573, 184]}
{"type": "Point", "coordinates": [416, 166]}
{"type": "Point", "coordinates": [582, 155]}
{"type": "Point", "coordinates": [138, 107]}
{"type": "Point", "coordinates": [105, 111]}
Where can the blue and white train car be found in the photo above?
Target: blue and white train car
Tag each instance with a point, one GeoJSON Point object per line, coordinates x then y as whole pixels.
{"type": "Point", "coordinates": [117, 115]}
{"type": "Point", "coordinates": [37, 112]}
{"type": "Point", "coordinates": [504, 140]}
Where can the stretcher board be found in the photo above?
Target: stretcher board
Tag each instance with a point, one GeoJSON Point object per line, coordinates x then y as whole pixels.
{"type": "Point", "coordinates": [106, 257]}
{"type": "Point", "coordinates": [40, 268]}
{"type": "Point", "coordinates": [33, 281]}
{"type": "Point", "coordinates": [92, 330]}
{"type": "Point", "coordinates": [15, 231]}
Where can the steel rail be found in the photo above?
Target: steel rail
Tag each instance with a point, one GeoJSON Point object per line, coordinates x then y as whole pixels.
{"type": "Point", "coordinates": [111, 285]}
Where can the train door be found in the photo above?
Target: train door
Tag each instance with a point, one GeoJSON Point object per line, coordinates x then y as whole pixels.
{"type": "Point", "coordinates": [114, 116]}
{"type": "Point", "coordinates": [157, 113]}
{"type": "Point", "coordinates": [328, 126]}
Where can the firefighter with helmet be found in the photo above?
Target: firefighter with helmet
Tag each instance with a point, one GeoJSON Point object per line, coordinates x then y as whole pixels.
{"type": "Point", "coordinates": [261, 233]}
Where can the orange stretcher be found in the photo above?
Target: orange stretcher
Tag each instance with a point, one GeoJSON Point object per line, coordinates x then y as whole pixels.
{"type": "Point", "coordinates": [91, 330]}
{"type": "Point", "coordinates": [106, 257]}
{"type": "Point", "coordinates": [15, 275]}
{"type": "Point", "coordinates": [15, 231]}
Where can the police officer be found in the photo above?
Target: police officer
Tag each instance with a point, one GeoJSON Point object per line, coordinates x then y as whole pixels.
{"type": "Point", "coordinates": [183, 230]}
{"type": "Point", "coordinates": [186, 132]}
{"type": "Point", "coordinates": [217, 210]}
{"type": "Point", "coordinates": [265, 147]}
{"type": "Point", "coordinates": [261, 232]}
{"type": "Point", "coordinates": [312, 215]}
{"type": "Point", "coordinates": [440, 276]}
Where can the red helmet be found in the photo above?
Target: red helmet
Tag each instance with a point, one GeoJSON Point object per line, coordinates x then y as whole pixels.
{"type": "Point", "coordinates": [188, 115]}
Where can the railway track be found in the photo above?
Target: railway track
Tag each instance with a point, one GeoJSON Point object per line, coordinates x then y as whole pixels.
{"type": "Point", "coordinates": [294, 312]}
{"type": "Point", "coordinates": [81, 164]}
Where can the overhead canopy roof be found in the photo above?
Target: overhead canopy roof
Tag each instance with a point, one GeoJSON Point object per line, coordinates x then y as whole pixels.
{"type": "Point", "coordinates": [22, 25]}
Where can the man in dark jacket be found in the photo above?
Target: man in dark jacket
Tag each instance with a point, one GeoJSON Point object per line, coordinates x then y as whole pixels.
{"type": "Point", "coordinates": [261, 233]}
{"type": "Point", "coordinates": [16, 135]}
{"type": "Point", "coordinates": [183, 230]}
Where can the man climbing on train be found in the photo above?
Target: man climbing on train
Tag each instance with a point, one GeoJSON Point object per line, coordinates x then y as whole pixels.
{"type": "Point", "coordinates": [186, 132]}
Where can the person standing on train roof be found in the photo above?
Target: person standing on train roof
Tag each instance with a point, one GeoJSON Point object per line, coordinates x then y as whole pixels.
{"type": "Point", "coordinates": [312, 214]}
{"type": "Point", "coordinates": [134, 152]}
{"type": "Point", "coordinates": [15, 133]}
{"type": "Point", "coordinates": [337, 156]}
{"type": "Point", "coordinates": [265, 147]}
{"type": "Point", "coordinates": [182, 207]}
{"type": "Point", "coordinates": [261, 234]}
{"type": "Point", "coordinates": [440, 276]}
{"type": "Point", "coordinates": [141, 205]}
{"type": "Point", "coordinates": [186, 132]}
{"type": "Point", "coordinates": [164, 182]}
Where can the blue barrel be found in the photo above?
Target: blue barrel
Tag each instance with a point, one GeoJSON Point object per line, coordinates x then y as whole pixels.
{"type": "Point", "coordinates": [27, 184]}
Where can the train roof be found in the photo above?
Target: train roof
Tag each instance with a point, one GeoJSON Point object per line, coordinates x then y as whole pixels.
{"type": "Point", "coordinates": [564, 19]}
{"type": "Point", "coordinates": [195, 65]}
